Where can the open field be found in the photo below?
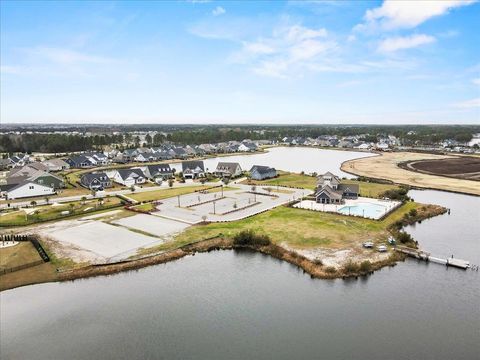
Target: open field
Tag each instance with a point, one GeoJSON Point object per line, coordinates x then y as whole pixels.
{"type": "Point", "coordinates": [385, 166]}
{"type": "Point", "coordinates": [33, 275]}
{"type": "Point", "coordinates": [460, 167]}
{"type": "Point", "coordinates": [305, 229]}
{"type": "Point", "coordinates": [20, 254]}
{"type": "Point", "coordinates": [368, 189]}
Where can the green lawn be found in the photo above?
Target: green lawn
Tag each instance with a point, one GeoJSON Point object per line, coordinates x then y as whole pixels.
{"type": "Point", "coordinates": [367, 189]}
{"type": "Point", "coordinates": [302, 228]}
{"type": "Point", "coordinates": [50, 212]}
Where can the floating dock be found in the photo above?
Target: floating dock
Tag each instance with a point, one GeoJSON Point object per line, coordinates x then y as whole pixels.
{"type": "Point", "coordinates": [423, 255]}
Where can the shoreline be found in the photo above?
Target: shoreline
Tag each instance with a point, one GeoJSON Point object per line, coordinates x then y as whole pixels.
{"type": "Point", "coordinates": [312, 267]}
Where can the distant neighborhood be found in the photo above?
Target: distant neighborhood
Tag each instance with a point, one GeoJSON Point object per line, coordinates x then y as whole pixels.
{"type": "Point", "coordinates": [24, 176]}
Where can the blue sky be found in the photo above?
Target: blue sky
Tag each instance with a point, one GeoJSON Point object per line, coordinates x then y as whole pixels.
{"type": "Point", "coordinates": [307, 62]}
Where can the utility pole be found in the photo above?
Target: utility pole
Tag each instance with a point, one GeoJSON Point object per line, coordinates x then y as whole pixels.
{"type": "Point", "coordinates": [178, 197]}
{"type": "Point", "coordinates": [214, 207]}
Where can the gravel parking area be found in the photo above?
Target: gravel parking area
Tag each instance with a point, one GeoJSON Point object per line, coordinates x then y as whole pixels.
{"type": "Point", "coordinates": [233, 206]}
{"type": "Point", "coordinates": [154, 225]}
{"type": "Point", "coordinates": [102, 242]}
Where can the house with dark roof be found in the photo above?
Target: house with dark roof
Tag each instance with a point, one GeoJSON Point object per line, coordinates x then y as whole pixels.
{"type": "Point", "coordinates": [95, 181]}
{"type": "Point", "coordinates": [129, 177]}
{"type": "Point", "coordinates": [158, 173]}
{"type": "Point", "coordinates": [27, 174]}
{"type": "Point", "coordinates": [79, 161]}
{"type": "Point", "coordinates": [193, 169]}
{"type": "Point", "coordinates": [228, 169]}
{"type": "Point", "coordinates": [258, 172]}
{"type": "Point", "coordinates": [331, 190]}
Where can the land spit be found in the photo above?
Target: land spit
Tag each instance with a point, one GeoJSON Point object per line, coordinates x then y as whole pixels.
{"type": "Point", "coordinates": [386, 166]}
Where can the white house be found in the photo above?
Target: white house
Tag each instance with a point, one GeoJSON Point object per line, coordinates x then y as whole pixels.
{"type": "Point", "coordinates": [129, 177]}
{"type": "Point", "coordinates": [26, 189]}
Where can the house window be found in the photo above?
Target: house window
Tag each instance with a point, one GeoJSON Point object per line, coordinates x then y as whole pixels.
{"type": "Point", "coordinates": [31, 187]}
{"type": "Point", "coordinates": [40, 181]}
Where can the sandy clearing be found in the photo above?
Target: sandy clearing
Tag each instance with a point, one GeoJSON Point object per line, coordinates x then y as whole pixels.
{"type": "Point", "coordinates": [154, 225]}
{"type": "Point", "coordinates": [102, 240]}
{"type": "Point", "coordinates": [385, 166]}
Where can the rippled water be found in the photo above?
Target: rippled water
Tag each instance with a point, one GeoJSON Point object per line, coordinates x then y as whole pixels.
{"type": "Point", "coordinates": [243, 305]}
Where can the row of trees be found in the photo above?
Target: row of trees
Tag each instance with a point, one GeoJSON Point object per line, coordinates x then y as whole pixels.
{"type": "Point", "coordinates": [408, 134]}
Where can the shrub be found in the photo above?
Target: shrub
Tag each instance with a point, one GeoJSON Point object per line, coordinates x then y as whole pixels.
{"type": "Point", "coordinates": [330, 270]}
{"type": "Point", "coordinates": [318, 262]}
{"type": "Point", "coordinates": [248, 237]}
{"type": "Point", "coordinates": [365, 266]}
{"type": "Point", "coordinates": [397, 194]}
{"type": "Point", "coordinates": [404, 237]}
{"type": "Point", "coordinates": [413, 212]}
{"type": "Point", "coordinates": [350, 267]}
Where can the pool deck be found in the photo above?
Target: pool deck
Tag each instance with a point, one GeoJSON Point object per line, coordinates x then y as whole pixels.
{"type": "Point", "coordinates": [388, 205]}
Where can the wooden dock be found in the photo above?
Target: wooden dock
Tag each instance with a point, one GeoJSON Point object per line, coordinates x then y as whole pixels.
{"type": "Point", "coordinates": [426, 256]}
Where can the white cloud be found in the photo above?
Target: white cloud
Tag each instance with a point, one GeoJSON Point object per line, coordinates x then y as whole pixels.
{"type": "Point", "coordinates": [476, 81]}
{"type": "Point", "coordinates": [66, 56]}
{"type": "Point", "coordinates": [404, 42]}
{"type": "Point", "coordinates": [407, 14]}
{"type": "Point", "coordinates": [288, 48]}
{"type": "Point", "coordinates": [472, 103]}
{"type": "Point", "coordinates": [218, 11]}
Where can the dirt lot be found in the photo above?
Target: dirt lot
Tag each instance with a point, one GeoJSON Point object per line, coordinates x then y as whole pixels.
{"type": "Point", "coordinates": [386, 166]}
{"type": "Point", "coordinates": [460, 168]}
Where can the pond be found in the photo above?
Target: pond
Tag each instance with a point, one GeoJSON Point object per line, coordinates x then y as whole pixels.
{"type": "Point", "coordinates": [243, 305]}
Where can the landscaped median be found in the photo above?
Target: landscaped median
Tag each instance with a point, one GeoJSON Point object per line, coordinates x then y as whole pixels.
{"type": "Point", "coordinates": [56, 211]}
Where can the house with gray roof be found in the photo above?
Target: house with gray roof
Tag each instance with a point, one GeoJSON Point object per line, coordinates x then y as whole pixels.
{"type": "Point", "coordinates": [258, 172]}
{"type": "Point", "coordinates": [95, 181]}
{"type": "Point", "coordinates": [158, 172]}
{"type": "Point", "coordinates": [331, 190]}
{"type": "Point", "coordinates": [193, 169]}
{"type": "Point", "coordinates": [228, 169]}
{"type": "Point", "coordinates": [129, 177]}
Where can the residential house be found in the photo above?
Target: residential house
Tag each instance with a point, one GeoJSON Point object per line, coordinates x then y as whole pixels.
{"type": "Point", "coordinates": [158, 173]}
{"type": "Point", "coordinates": [129, 154]}
{"type": "Point", "coordinates": [95, 181]}
{"type": "Point", "coordinates": [79, 161]}
{"type": "Point", "coordinates": [258, 172]}
{"type": "Point", "coordinates": [247, 147]}
{"type": "Point", "coordinates": [19, 160]}
{"type": "Point", "coordinates": [28, 174]}
{"type": "Point", "coordinates": [228, 169]}
{"type": "Point", "coordinates": [193, 169]}
{"type": "Point", "coordinates": [331, 190]}
{"type": "Point", "coordinates": [56, 165]}
{"type": "Point", "coordinates": [129, 177]}
{"type": "Point", "coordinates": [25, 189]}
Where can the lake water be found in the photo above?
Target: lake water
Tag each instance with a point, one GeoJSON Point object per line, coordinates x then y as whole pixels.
{"type": "Point", "coordinates": [294, 159]}
{"type": "Point", "coordinates": [243, 305]}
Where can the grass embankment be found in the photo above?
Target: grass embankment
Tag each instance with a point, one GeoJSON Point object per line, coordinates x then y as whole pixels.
{"type": "Point", "coordinates": [386, 166]}
{"type": "Point", "coordinates": [367, 189]}
{"type": "Point", "coordinates": [54, 212]}
{"type": "Point", "coordinates": [23, 254]}
{"type": "Point", "coordinates": [303, 229]}
{"type": "Point", "coordinates": [17, 255]}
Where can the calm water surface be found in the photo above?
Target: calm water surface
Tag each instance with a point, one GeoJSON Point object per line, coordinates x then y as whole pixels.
{"type": "Point", "coordinates": [242, 305]}
{"type": "Point", "coordinates": [294, 159]}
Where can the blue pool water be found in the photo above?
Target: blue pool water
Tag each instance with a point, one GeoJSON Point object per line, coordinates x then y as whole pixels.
{"type": "Point", "coordinates": [364, 209]}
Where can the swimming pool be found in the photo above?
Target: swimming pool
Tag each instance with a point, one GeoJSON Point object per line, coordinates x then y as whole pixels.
{"type": "Point", "coordinates": [364, 209]}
